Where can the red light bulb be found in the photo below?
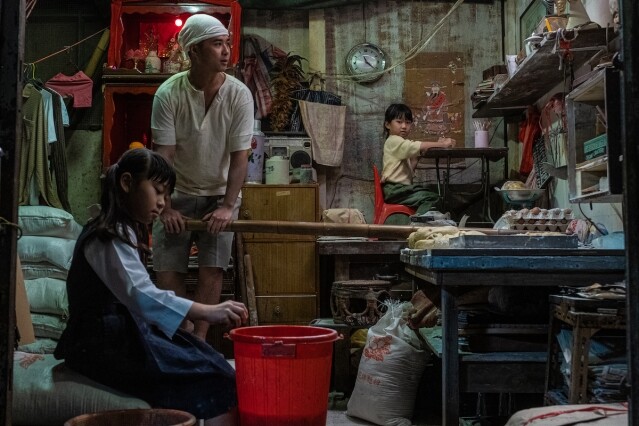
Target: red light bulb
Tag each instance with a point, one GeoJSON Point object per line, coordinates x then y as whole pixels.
{"type": "Point", "coordinates": [178, 22]}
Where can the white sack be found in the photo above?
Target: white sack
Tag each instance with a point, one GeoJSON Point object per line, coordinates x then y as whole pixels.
{"type": "Point", "coordinates": [389, 371]}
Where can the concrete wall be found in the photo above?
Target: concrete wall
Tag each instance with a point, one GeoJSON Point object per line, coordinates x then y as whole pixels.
{"type": "Point", "coordinates": [395, 26]}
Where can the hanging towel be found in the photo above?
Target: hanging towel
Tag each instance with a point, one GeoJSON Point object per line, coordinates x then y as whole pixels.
{"type": "Point", "coordinates": [325, 125]}
{"type": "Point", "coordinates": [319, 96]}
{"type": "Point", "coordinates": [79, 86]}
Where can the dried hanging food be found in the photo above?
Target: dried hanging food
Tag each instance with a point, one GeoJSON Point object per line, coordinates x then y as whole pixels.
{"type": "Point", "coordinates": [286, 76]}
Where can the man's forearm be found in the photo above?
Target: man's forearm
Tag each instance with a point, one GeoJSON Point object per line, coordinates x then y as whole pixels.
{"type": "Point", "coordinates": [236, 177]}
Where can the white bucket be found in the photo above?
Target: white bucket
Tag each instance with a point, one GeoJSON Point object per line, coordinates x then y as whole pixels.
{"type": "Point", "coordinates": [254, 172]}
{"type": "Point", "coordinates": [255, 169]}
{"type": "Point", "coordinates": [276, 171]}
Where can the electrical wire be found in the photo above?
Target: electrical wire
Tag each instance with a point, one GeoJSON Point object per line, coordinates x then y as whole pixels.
{"type": "Point", "coordinates": [421, 45]}
{"type": "Point", "coordinates": [590, 221]}
{"type": "Point", "coordinates": [66, 48]}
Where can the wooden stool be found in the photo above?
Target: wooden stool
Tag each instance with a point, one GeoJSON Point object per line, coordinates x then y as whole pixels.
{"type": "Point", "coordinates": [358, 302]}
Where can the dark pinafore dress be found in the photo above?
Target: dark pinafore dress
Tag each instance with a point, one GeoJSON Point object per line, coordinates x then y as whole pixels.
{"type": "Point", "coordinates": [107, 343]}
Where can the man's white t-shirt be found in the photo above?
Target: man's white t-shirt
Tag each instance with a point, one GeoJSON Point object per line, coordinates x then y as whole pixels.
{"type": "Point", "coordinates": [204, 139]}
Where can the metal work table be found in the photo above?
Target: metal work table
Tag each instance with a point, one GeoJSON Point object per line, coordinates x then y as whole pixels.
{"type": "Point", "coordinates": [453, 268]}
{"type": "Point", "coordinates": [486, 155]}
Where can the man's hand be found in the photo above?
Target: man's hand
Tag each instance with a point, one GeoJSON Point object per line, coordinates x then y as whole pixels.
{"type": "Point", "coordinates": [218, 219]}
{"type": "Point", "coordinates": [174, 222]}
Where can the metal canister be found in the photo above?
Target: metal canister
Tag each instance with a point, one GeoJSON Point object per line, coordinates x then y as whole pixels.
{"type": "Point", "coordinates": [306, 173]}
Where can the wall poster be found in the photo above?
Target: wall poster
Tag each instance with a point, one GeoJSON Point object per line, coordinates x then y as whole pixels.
{"type": "Point", "coordinates": [434, 90]}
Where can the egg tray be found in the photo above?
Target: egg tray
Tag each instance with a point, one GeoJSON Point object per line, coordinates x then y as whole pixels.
{"type": "Point", "coordinates": [545, 227]}
{"type": "Point", "coordinates": [536, 219]}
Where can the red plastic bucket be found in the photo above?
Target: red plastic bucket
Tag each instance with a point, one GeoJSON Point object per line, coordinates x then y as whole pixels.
{"type": "Point", "coordinates": [283, 374]}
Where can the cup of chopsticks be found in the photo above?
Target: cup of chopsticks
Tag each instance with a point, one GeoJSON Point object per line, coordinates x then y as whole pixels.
{"type": "Point", "coordinates": [481, 132]}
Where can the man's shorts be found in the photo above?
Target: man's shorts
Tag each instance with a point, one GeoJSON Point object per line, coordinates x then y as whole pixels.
{"type": "Point", "coordinates": [171, 251]}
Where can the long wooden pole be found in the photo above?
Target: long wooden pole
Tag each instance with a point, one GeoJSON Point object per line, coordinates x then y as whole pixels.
{"type": "Point", "coordinates": [333, 229]}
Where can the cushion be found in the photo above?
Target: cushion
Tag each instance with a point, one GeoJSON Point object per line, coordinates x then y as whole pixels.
{"type": "Point", "coordinates": [53, 250]}
{"type": "Point", "coordinates": [46, 392]}
{"type": "Point", "coordinates": [47, 296]}
{"type": "Point", "coordinates": [47, 221]}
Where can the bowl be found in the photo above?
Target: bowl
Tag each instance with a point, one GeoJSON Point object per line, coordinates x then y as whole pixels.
{"type": "Point", "coordinates": [510, 195]}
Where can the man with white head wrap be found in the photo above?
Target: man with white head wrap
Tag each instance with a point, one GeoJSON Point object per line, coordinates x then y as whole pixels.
{"type": "Point", "coordinates": [202, 122]}
{"type": "Point", "coordinates": [199, 28]}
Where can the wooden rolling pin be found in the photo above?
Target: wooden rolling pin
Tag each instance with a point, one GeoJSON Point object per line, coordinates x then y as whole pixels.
{"type": "Point", "coordinates": [333, 229]}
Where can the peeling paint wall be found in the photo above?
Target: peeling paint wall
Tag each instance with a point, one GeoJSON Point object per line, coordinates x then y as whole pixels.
{"type": "Point", "coordinates": [397, 27]}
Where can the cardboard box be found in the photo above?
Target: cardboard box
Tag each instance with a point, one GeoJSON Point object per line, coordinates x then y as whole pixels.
{"type": "Point", "coordinates": [489, 73]}
{"type": "Point", "coordinates": [596, 147]}
{"type": "Point", "coordinates": [23, 313]}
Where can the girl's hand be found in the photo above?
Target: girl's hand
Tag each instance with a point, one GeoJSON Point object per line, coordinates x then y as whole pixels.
{"type": "Point", "coordinates": [446, 142]}
{"type": "Point", "coordinates": [229, 313]}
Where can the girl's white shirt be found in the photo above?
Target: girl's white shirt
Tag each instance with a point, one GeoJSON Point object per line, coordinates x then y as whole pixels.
{"type": "Point", "coordinates": [119, 266]}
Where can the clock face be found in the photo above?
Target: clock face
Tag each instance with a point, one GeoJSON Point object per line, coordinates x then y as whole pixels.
{"type": "Point", "coordinates": [366, 62]}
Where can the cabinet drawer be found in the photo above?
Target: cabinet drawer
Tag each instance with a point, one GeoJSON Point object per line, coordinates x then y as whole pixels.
{"type": "Point", "coordinates": [283, 267]}
{"type": "Point", "coordinates": [286, 309]}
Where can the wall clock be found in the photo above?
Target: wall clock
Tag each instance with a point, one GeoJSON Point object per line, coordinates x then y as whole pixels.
{"type": "Point", "coordinates": [365, 62]}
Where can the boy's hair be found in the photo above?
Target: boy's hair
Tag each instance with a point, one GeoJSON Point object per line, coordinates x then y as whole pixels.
{"type": "Point", "coordinates": [113, 218]}
{"type": "Point", "coordinates": [394, 111]}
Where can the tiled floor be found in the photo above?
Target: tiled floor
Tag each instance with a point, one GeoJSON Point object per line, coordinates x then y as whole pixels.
{"type": "Point", "coordinates": [337, 415]}
{"type": "Point", "coordinates": [339, 418]}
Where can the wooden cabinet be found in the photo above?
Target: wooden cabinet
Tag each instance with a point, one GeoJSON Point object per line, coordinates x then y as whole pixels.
{"type": "Point", "coordinates": [128, 92]}
{"type": "Point", "coordinates": [594, 139]}
{"type": "Point", "coordinates": [126, 117]}
{"type": "Point", "coordinates": [285, 266]}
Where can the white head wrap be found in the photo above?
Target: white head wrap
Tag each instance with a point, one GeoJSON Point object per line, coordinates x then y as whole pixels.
{"type": "Point", "coordinates": [199, 28]}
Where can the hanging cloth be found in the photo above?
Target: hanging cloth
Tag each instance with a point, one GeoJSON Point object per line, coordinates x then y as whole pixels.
{"type": "Point", "coordinates": [58, 166]}
{"type": "Point", "coordinates": [325, 125]}
{"type": "Point", "coordinates": [79, 86]}
{"type": "Point", "coordinates": [34, 156]}
{"type": "Point", "coordinates": [255, 72]}
{"type": "Point", "coordinates": [529, 131]}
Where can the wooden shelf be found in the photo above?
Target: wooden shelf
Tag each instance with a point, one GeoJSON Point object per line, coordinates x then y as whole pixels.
{"type": "Point", "coordinates": [599, 164]}
{"type": "Point", "coordinates": [540, 71]}
{"type": "Point", "coordinates": [597, 179]}
{"type": "Point", "coordinates": [598, 196]}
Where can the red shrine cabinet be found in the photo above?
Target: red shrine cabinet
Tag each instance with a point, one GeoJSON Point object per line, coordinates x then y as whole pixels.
{"type": "Point", "coordinates": [137, 28]}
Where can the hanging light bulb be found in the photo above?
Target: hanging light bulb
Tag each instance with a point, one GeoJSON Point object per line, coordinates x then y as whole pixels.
{"type": "Point", "coordinates": [178, 22]}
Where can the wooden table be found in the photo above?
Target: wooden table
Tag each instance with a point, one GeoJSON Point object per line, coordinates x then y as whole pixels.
{"type": "Point", "coordinates": [347, 250]}
{"type": "Point", "coordinates": [454, 268]}
{"type": "Point", "coordinates": [486, 155]}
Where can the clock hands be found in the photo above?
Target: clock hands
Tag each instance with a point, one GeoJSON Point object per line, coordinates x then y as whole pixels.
{"type": "Point", "coordinates": [366, 60]}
